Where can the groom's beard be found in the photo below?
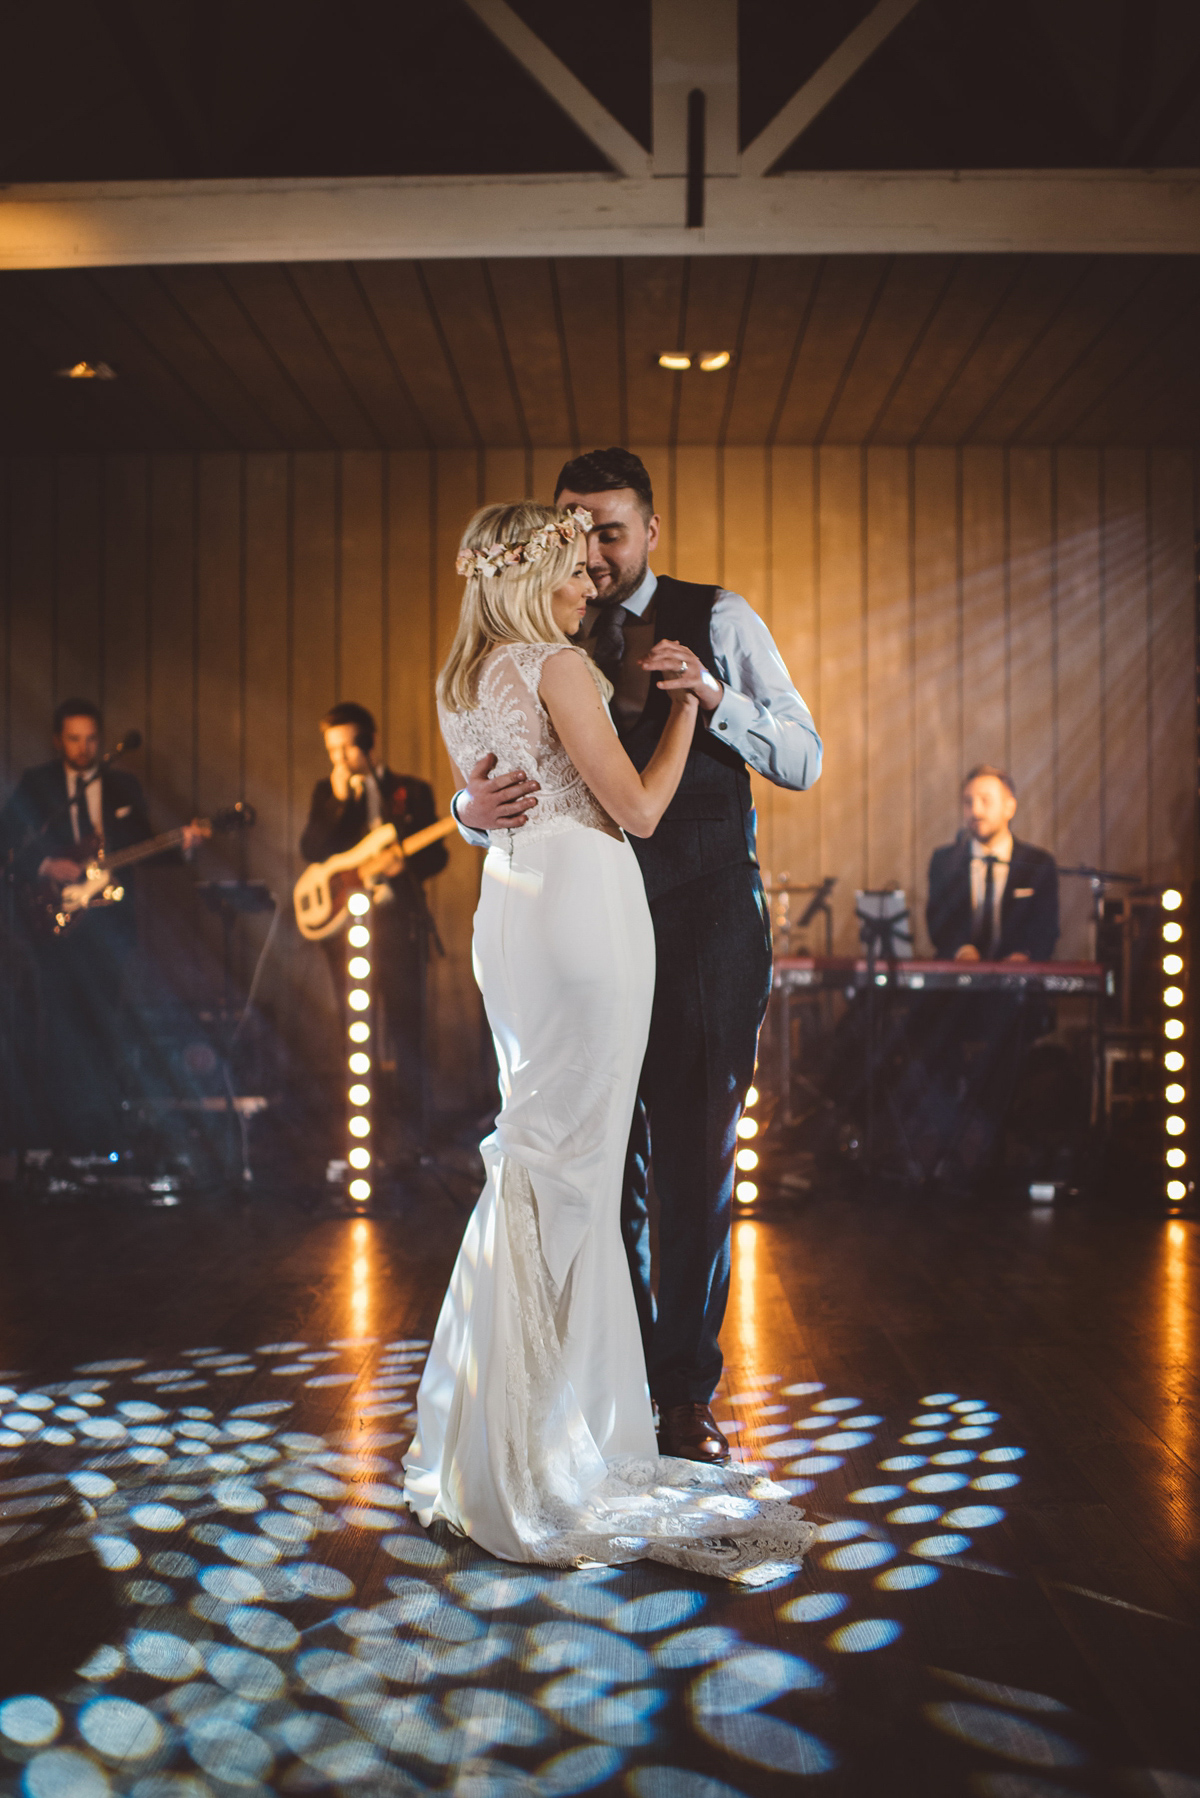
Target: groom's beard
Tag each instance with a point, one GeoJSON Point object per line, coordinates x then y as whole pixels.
{"type": "Point", "coordinates": [617, 594]}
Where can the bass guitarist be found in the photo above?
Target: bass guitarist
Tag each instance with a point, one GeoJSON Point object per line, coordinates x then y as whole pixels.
{"type": "Point", "coordinates": [60, 815]}
{"type": "Point", "coordinates": [359, 794]}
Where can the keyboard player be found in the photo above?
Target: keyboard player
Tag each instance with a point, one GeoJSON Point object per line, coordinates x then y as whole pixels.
{"type": "Point", "coordinates": [991, 897]}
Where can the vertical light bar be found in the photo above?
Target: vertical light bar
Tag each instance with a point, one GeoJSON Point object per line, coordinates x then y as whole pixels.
{"type": "Point", "coordinates": [361, 1032]}
{"type": "Point", "coordinates": [1175, 1058]}
{"type": "Point", "coordinates": [745, 1191]}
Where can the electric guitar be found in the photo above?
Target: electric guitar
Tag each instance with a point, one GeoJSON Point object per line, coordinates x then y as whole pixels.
{"type": "Point", "coordinates": [54, 909]}
{"type": "Point", "coordinates": [322, 892]}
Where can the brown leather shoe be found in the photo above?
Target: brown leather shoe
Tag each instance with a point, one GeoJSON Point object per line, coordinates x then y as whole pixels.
{"type": "Point", "coordinates": [691, 1432]}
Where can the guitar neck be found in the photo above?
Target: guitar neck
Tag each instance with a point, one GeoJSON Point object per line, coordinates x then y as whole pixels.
{"type": "Point", "coordinates": [140, 852]}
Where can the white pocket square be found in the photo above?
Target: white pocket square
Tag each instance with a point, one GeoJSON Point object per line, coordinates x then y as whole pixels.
{"type": "Point", "coordinates": [123, 811]}
{"type": "Point", "coordinates": [1021, 892]}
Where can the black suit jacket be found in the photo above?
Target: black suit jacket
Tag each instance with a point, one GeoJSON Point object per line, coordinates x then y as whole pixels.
{"type": "Point", "coordinates": [406, 802]}
{"type": "Point", "coordinates": [1028, 910]}
{"type": "Point", "coordinates": [41, 800]}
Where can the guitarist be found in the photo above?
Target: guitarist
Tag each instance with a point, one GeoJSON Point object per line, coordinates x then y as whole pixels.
{"type": "Point", "coordinates": [60, 815]}
{"type": "Point", "coordinates": [359, 794]}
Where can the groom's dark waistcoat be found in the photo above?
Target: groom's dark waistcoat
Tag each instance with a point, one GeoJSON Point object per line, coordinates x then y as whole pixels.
{"type": "Point", "coordinates": [710, 822]}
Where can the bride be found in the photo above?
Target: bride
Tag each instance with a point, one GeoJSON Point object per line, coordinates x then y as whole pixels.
{"type": "Point", "coordinates": [535, 1433]}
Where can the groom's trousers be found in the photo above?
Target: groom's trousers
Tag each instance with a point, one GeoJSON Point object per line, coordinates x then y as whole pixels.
{"type": "Point", "coordinates": [713, 944]}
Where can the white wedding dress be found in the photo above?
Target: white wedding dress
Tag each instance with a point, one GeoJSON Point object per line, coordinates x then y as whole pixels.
{"type": "Point", "coordinates": [535, 1435]}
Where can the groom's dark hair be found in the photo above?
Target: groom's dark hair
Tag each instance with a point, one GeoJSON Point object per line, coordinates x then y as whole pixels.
{"type": "Point", "coordinates": [601, 471]}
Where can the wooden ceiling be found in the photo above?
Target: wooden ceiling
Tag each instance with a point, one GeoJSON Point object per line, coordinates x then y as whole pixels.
{"type": "Point", "coordinates": [894, 350]}
{"type": "Point", "coordinates": [134, 89]}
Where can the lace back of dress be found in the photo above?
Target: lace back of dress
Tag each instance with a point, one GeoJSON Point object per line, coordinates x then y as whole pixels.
{"type": "Point", "coordinates": [510, 722]}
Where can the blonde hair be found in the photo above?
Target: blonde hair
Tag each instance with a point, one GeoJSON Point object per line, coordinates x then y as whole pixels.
{"type": "Point", "coordinates": [511, 605]}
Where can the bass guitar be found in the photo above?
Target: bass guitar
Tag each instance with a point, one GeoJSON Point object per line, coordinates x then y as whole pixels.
{"type": "Point", "coordinates": [322, 892]}
{"type": "Point", "coordinates": [54, 909]}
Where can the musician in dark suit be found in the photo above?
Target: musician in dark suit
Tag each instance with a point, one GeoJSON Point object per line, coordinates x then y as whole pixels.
{"type": "Point", "coordinates": [61, 813]}
{"type": "Point", "coordinates": [991, 897]}
{"type": "Point", "coordinates": [359, 794]}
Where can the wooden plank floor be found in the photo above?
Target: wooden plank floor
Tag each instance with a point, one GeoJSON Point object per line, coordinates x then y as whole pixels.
{"type": "Point", "coordinates": [207, 1585]}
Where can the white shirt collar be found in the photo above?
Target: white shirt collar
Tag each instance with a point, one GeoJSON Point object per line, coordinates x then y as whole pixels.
{"type": "Point", "coordinates": [637, 602]}
{"type": "Point", "coordinates": [1002, 848]}
{"type": "Point", "coordinates": [75, 775]}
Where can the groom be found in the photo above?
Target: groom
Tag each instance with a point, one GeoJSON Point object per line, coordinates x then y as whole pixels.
{"type": "Point", "coordinates": [712, 932]}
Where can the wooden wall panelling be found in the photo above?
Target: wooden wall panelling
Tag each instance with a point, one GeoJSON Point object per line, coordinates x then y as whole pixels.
{"type": "Point", "coordinates": [1172, 660]}
{"type": "Point", "coordinates": [123, 576]}
{"type": "Point", "coordinates": [410, 725]}
{"type": "Point", "coordinates": [546, 466]}
{"type": "Point", "coordinates": [1078, 685]}
{"type": "Point", "coordinates": [478, 352]}
{"type": "Point", "coordinates": [911, 294]}
{"type": "Point", "coordinates": [270, 852]}
{"type": "Point", "coordinates": [360, 553]}
{"type": "Point", "coordinates": [32, 617]}
{"type": "Point", "coordinates": [1030, 301]}
{"type": "Point", "coordinates": [985, 648]}
{"type": "Point", "coordinates": [842, 527]}
{"type": "Point", "coordinates": [350, 338]}
{"type": "Point", "coordinates": [940, 352]}
{"type": "Point", "coordinates": [507, 475]}
{"type": "Point", "coordinates": [653, 312]}
{"type": "Point", "coordinates": [171, 721]}
{"type": "Point", "coordinates": [220, 675]}
{"type": "Point", "coordinates": [890, 760]}
{"type": "Point", "coordinates": [845, 300]}
{"type": "Point", "coordinates": [716, 301]}
{"type": "Point", "coordinates": [1032, 627]}
{"type": "Point", "coordinates": [454, 998]}
{"type": "Point", "coordinates": [936, 655]}
{"type": "Point", "coordinates": [1124, 820]}
{"type": "Point", "coordinates": [694, 525]}
{"type": "Point", "coordinates": [268, 294]}
{"type": "Point", "coordinates": [792, 843]}
{"type": "Point", "coordinates": [79, 656]}
{"type": "Point", "coordinates": [775, 318]}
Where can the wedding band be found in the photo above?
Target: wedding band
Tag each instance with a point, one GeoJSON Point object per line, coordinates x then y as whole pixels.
{"type": "Point", "coordinates": [683, 667]}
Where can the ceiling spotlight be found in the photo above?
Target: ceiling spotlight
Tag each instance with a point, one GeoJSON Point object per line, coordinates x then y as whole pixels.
{"type": "Point", "coordinates": [712, 360]}
{"type": "Point", "coordinates": [87, 371]}
{"type": "Point", "coordinates": [675, 359]}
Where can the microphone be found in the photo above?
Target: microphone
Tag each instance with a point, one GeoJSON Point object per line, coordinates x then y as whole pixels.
{"type": "Point", "coordinates": [129, 742]}
{"type": "Point", "coordinates": [815, 904]}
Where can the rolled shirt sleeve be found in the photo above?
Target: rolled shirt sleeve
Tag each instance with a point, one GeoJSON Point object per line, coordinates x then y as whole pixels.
{"type": "Point", "coordinates": [478, 839]}
{"type": "Point", "coordinates": [760, 714]}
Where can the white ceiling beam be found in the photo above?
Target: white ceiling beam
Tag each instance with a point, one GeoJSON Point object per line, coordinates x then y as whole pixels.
{"type": "Point", "coordinates": [694, 44]}
{"type": "Point", "coordinates": [566, 90]}
{"type": "Point", "coordinates": [109, 224]}
{"type": "Point", "coordinates": [821, 88]}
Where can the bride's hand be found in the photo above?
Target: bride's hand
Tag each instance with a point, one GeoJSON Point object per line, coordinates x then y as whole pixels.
{"type": "Point", "coordinates": [680, 670]}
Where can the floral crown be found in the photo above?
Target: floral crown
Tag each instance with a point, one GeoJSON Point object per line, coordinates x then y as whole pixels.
{"type": "Point", "coordinates": [507, 555]}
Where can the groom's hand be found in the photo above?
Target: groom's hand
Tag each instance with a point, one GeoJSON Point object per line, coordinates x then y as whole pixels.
{"type": "Point", "coordinates": [496, 803]}
{"type": "Point", "coordinates": [679, 670]}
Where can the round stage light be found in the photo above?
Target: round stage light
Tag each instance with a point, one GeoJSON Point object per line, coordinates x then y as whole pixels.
{"type": "Point", "coordinates": [1173, 1061]}
{"type": "Point", "coordinates": [1172, 995]}
{"type": "Point", "coordinates": [747, 1127]}
{"type": "Point", "coordinates": [359, 1158]}
{"type": "Point", "coordinates": [1175, 1125]}
{"type": "Point", "coordinates": [1176, 1191]}
{"type": "Point", "coordinates": [358, 968]}
{"type": "Point", "coordinates": [358, 936]}
{"type": "Point", "coordinates": [359, 1095]}
{"type": "Point", "coordinates": [359, 1031]}
{"type": "Point", "coordinates": [360, 1126]}
{"type": "Point", "coordinates": [1173, 1028]}
{"type": "Point", "coordinates": [359, 1189]}
{"type": "Point", "coordinates": [713, 360]}
{"type": "Point", "coordinates": [1176, 1158]}
{"type": "Point", "coordinates": [752, 1095]}
{"type": "Point", "coordinates": [1172, 964]}
{"type": "Point", "coordinates": [1172, 930]}
{"type": "Point", "coordinates": [746, 1158]}
{"type": "Point", "coordinates": [358, 999]}
{"type": "Point", "coordinates": [1172, 900]}
{"type": "Point", "coordinates": [360, 1063]}
{"type": "Point", "coordinates": [745, 1192]}
{"type": "Point", "coordinates": [1175, 1094]}
{"type": "Point", "coordinates": [358, 904]}
{"type": "Point", "coordinates": [676, 360]}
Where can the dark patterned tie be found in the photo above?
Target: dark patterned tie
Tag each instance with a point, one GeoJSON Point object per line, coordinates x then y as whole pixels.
{"type": "Point", "coordinates": [608, 642]}
{"type": "Point", "coordinates": [83, 817]}
{"type": "Point", "coordinates": [985, 927]}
